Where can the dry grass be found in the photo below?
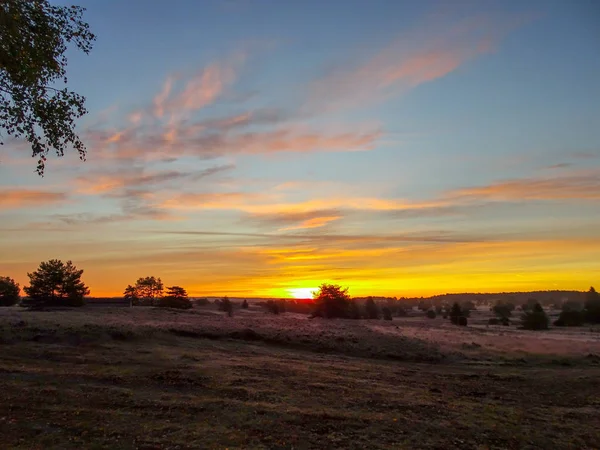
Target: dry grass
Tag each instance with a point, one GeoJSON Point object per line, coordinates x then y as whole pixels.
{"type": "Point", "coordinates": [145, 378]}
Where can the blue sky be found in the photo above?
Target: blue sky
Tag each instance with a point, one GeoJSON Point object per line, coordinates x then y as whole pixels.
{"type": "Point", "coordinates": [394, 147]}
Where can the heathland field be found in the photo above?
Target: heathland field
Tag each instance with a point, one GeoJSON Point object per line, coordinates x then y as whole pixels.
{"type": "Point", "coordinates": [158, 378]}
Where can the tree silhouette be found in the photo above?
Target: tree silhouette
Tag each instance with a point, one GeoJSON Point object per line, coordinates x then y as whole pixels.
{"type": "Point", "coordinates": [371, 309]}
{"type": "Point", "coordinates": [176, 297]}
{"type": "Point", "coordinates": [131, 294]}
{"type": "Point", "coordinates": [354, 310]}
{"type": "Point", "coordinates": [34, 36]}
{"type": "Point", "coordinates": [535, 319]}
{"type": "Point", "coordinates": [331, 301]}
{"type": "Point", "coordinates": [226, 306]}
{"type": "Point", "coordinates": [56, 284]}
{"type": "Point", "coordinates": [387, 313]}
{"type": "Point", "coordinates": [147, 291]}
{"type": "Point", "coordinates": [9, 291]}
{"type": "Point", "coordinates": [592, 306]}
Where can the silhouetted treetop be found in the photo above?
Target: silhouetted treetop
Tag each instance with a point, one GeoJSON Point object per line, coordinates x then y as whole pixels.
{"type": "Point", "coordinates": [34, 36]}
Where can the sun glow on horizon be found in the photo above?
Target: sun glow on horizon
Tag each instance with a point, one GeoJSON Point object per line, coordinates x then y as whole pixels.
{"type": "Point", "coordinates": [302, 293]}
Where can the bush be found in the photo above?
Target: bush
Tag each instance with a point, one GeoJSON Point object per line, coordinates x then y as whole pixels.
{"type": "Point", "coordinates": [176, 298]}
{"type": "Point", "coordinates": [371, 309]}
{"type": "Point", "coordinates": [401, 311]}
{"type": "Point", "coordinates": [430, 314]}
{"type": "Point", "coordinates": [354, 311]}
{"type": "Point", "coordinates": [225, 305]}
{"type": "Point", "coordinates": [202, 302]}
{"type": "Point", "coordinates": [592, 306]}
{"type": "Point", "coordinates": [467, 307]}
{"type": "Point", "coordinates": [302, 306]}
{"type": "Point", "coordinates": [439, 309]}
{"type": "Point", "coordinates": [387, 313]}
{"type": "Point", "coordinates": [462, 321]}
{"type": "Point", "coordinates": [272, 307]}
{"type": "Point", "coordinates": [571, 305]}
{"type": "Point", "coordinates": [281, 304]}
{"type": "Point", "coordinates": [424, 306]}
{"type": "Point", "coordinates": [455, 313]}
{"type": "Point", "coordinates": [331, 301]}
{"type": "Point", "coordinates": [505, 321]}
{"type": "Point", "coordinates": [493, 321]}
{"type": "Point", "coordinates": [9, 291]}
{"type": "Point", "coordinates": [536, 319]}
{"type": "Point", "coordinates": [570, 319]}
{"type": "Point", "coordinates": [503, 309]}
{"type": "Point", "coordinates": [245, 304]}
{"type": "Point", "coordinates": [529, 305]}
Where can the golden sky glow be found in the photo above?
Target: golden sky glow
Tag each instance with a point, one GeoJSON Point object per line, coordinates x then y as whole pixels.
{"type": "Point", "coordinates": [417, 150]}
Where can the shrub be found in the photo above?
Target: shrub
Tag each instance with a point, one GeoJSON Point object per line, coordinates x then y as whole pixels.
{"type": "Point", "coordinates": [455, 313]}
{"type": "Point", "coordinates": [535, 319]}
{"type": "Point", "coordinates": [202, 302]}
{"type": "Point", "coordinates": [354, 310]}
{"type": "Point", "coordinates": [371, 309]}
{"type": "Point", "coordinates": [571, 305]}
{"type": "Point", "coordinates": [529, 305]}
{"type": "Point", "coordinates": [503, 309]}
{"type": "Point", "coordinates": [225, 305]}
{"type": "Point", "coordinates": [176, 297]}
{"type": "Point", "coordinates": [272, 307]}
{"type": "Point", "coordinates": [281, 304]}
{"type": "Point", "coordinates": [430, 314]}
{"type": "Point", "coordinates": [245, 304]}
{"type": "Point", "coordinates": [570, 319]}
{"type": "Point", "coordinates": [303, 306]}
{"type": "Point", "coordinates": [401, 311]}
{"type": "Point", "coordinates": [439, 309]}
{"type": "Point", "coordinates": [462, 321]}
{"type": "Point", "coordinates": [493, 321]}
{"type": "Point", "coordinates": [467, 306]}
{"type": "Point", "coordinates": [387, 314]}
{"type": "Point", "coordinates": [331, 301]}
{"type": "Point", "coordinates": [9, 291]}
{"type": "Point", "coordinates": [505, 321]}
{"type": "Point", "coordinates": [592, 306]}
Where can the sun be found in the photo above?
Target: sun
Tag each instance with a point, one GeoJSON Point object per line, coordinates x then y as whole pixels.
{"type": "Point", "coordinates": [302, 292]}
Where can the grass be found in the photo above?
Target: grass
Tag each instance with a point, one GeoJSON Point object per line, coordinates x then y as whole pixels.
{"type": "Point", "coordinates": [162, 379]}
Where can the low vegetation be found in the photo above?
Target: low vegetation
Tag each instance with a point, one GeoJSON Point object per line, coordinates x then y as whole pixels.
{"type": "Point", "coordinates": [176, 297]}
{"type": "Point", "coordinates": [9, 291]}
{"type": "Point", "coordinates": [535, 318]}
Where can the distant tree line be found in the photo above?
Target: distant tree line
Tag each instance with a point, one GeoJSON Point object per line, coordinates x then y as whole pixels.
{"type": "Point", "coordinates": [55, 283]}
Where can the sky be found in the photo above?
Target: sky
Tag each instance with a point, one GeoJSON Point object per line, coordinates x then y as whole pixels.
{"type": "Point", "coordinates": [261, 148]}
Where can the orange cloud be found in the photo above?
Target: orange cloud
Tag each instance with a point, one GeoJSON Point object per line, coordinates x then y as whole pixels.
{"type": "Point", "coordinates": [315, 222]}
{"type": "Point", "coordinates": [175, 140]}
{"type": "Point", "coordinates": [27, 198]}
{"type": "Point", "coordinates": [574, 186]}
{"type": "Point", "coordinates": [200, 90]}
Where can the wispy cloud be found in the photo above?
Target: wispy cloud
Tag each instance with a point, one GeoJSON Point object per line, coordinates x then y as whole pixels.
{"type": "Point", "coordinates": [107, 181]}
{"type": "Point", "coordinates": [583, 185]}
{"type": "Point", "coordinates": [28, 198]}
{"type": "Point", "coordinates": [288, 221]}
{"type": "Point", "coordinates": [432, 51]}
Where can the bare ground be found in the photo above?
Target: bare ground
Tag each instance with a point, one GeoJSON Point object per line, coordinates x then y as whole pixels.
{"type": "Point", "coordinates": [146, 378]}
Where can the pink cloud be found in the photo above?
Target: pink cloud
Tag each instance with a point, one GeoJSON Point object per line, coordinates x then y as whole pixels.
{"type": "Point", "coordinates": [27, 198]}
{"type": "Point", "coordinates": [423, 55]}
